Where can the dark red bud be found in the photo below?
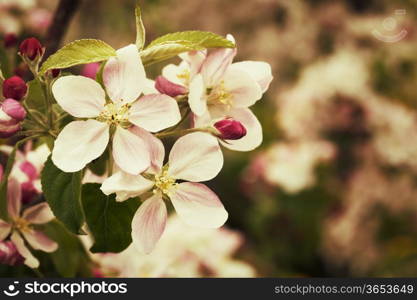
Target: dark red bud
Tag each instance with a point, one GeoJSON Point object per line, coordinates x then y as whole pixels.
{"type": "Point", "coordinates": [55, 73]}
{"type": "Point", "coordinates": [14, 87]}
{"type": "Point", "coordinates": [31, 48]}
{"type": "Point", "coordinates": [10, 40]}
{"type": "Point", "coordinates": [164, 86]}
{"type": "Point", "coordinates": [230, 129]}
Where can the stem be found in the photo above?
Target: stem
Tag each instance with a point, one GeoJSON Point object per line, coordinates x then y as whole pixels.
{"type": "Point", "coordinates": [183, 132]}
{"type": "Point", "coordinates": [33, 117]}
{"type": "Point", "coordinates": [38, 273]}
{"type": "Point", "coordinates": [110, 161]}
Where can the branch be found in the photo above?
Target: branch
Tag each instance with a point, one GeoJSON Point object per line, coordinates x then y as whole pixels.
{"type": "Point", "coordinates": [56, 31]}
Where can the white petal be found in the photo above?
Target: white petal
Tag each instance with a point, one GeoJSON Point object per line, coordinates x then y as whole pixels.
{"type": "Point", "coordinates": [30, 260]}
{"type": "Point", "coordinates": [172, 71]}
{"type": "Point", "coordinates": [197, 96]}
{"type": "Point", "coordinates": [197, 205]}
{"type": "Point", "coordinates": [155, 147]}
{"type": "Point", "coordinates": [39, 241]}
{"type": "Point", "coordinates": [148, 224]}
{"type": "Point", "coordinates": [253, 137]}
{"type": "Point", "coordinates": [124, 75]}
{"type": "Point", "coordinates": [4, 229]}
{"type": "Point", "coordinates": [14, 198]}
{"type": "Point", "coordinates": [126, 185]}
{"type": "Point", "coordinates": [79, 143]}
{"type": "Point", "coordinates": [38, 214]}
{"type": "Point", "coordinates": [259, 70]}
{"type": "Point", "coordinates": [244, 89]}
{"type": "Point", "coordinates": [195, 157]}
{"type": "Point", "coordinates": [79, 96]}
{"type": "Point", "coordinates": [155, 112]}
{"type": "Point", "coordinates": [130, 152]}
{"type": "Point", "coordinates": [216, 64]}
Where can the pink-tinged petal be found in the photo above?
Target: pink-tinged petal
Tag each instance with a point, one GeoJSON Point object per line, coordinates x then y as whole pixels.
{"type": "Point", "coordinates": [79, 96]}
{"type": "Point", "coordinates": [38, 214]}
{"type": "Point", "coordinates": [29, 169]}
{"type": "Point", "coordinates": [39, 241]}
{"type": "Point", "coordinates": [79, 143]}
{"type": "Point", "coordinates": [149, 87]}
{"type": "Point", "coordinates": [198, 206]}
{"type": "Point", "coordinates": [4, 229]}
{"type": "Point", "coordinates": [197, 96]}
{"type": "Point", "coordinates": [244, 89]}
{"type": "Point", "coordinates": [155, 147]}
{"type": "Point", "coordinates": [148, 224]}
{"type": "Point", "coordinates": [14, 198]}
{"type": "Point", "coordinates": [164, 86]}
{"type": "Point", "coordinates": [124, 75]}
{"type": "Point", "coordinates": [126, 185]}
{"type": "Point", "coordinates": [174, 73]}
{"type": "Point", "coordinates": [155, 112]}
{"type": "Point", "coordinates": [260, 71]}
{"type": "Point", "coordinates": [253, 137]}
{"type": "Point", "coordinates": [130, 152]}
{"type": "Point", "coordinates": [195, 157]}
{"type": "Point", "coordinates": [216, 64]}
{"type": "Point", "coordinates": [30, 260]}
{"type": "Point", "coordinates": [194, 59]}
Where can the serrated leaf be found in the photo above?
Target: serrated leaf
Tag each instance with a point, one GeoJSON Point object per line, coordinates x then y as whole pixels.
{"type": "Point", "coordinates": [140, 29]}
{"type": "Point", "coordinates": [63, 193]}
{"type": "Point", "coordinates": [77, 53]}
{"type": "Point", "coordinates": [108, 221]}
{"type": "Point", "coordinates": [172, 44]}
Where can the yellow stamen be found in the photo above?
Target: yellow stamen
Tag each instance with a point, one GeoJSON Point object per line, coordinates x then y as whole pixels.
{"type": "Point", "coordinates": [115, 114]}
{"type": "Point", "coordinates": [164, 182]}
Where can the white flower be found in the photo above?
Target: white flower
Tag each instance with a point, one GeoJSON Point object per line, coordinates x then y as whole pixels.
{"type": "Point", "coordinates": [194, 157]}
{"type": "Point", "coordinates": [80, 142]}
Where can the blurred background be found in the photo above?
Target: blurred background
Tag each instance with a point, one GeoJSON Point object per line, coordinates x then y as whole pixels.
{"type": "Point", "coordinates": [332, 191]}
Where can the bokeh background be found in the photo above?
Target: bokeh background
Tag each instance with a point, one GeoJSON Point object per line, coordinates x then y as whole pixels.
{"type": "Point", "coordinates": [332, 191]}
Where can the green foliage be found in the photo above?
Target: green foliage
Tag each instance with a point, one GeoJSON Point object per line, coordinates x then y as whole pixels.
{"type": "Point", "coordinates": [109, 221]}
{"type": "Point", "coordinates": [77, 53]}
{"type": "Point", "coordinates": [172, 44]}
{"type": "Point", "coordinates": [140, 29]}
{"type": "Point", "coordinates": [35, 97]}
{"type": "Point", "coordinates": [63, 194]}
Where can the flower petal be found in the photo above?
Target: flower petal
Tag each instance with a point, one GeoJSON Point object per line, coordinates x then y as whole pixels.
{"type": "Point", "coordinates": [126, 185]}
{"type": "Point", "coordinates": [155, 112]}
{"type": "Point", "coordinates": [253, 137]}
{"type": "Point", "coordinates": [216, 64]}
{"type": "Point", "coordinates": [197, 205]}
{"type": "Point", "coordinates": [244, 89]}
{"type": "Point", "coordinates": [155, 147]}
{"type": "Point", "coordinates": [148, 224]}
{"type": "Point", "coordinates": [124, 76]}
{"type": "Point", "coordinates": [259, 70]}
{"type": "Point", "coordinates": [79, 96]}
{"type": "Point", "coordinates": [39, 241]}
{"type": "Point", "coordinates": [197, 96]}
{"type": "Point", "coordinates": [4, 229]}
{"type": "Point", "coordinates": [130, 152]}
{"type": "Point", "coordinates": [30, 260]}
{"type": "Point", "coordinates": [38, 214]}
{"type": "Point", "coordinates": [79, 143]}
{"type": "Point", "coordinates": [195, 157]}
{"type": "Point", "coordinates": [14, 198]}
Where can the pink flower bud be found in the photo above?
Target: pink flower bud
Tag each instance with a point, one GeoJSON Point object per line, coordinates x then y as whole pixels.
{"type": "Point", "coordinates": [90, 70]}
{"type": "Point", "coordinates": [13, 109]}
{"type": "Point", "coordinates": [230, 129]}
{"type": "Point", "coordinates": [10, 40]}
{"type": "Point", "coordinates": [164, 86]}
{"type": "Point", "coordinates": [14, 87]}
{"type": "Point", "coordinates": [9, 254]}
{"type": "Point", "coordinates": [31, 48]}
{"type": "Point", "coordinates": [11, 114]}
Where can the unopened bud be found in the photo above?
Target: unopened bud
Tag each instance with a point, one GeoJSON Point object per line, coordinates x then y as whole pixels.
{"type": "Point", "coordinates": [11, 115]}
{"type": "Point", "coordinates": [90, 70]}
{"type": "Point", "coordinates": [14, 87]}
{"type": "Point", "coordinates": [31, 48]}
{"type": "Point", "coordinates": [13, 109]}
{"type": "Point", "coordinates": [230, 129]}
{"type": "Point", "coordinates": [9, 254]}
{"type": "Point", "coordinates": [164, 86]}
{"type": "Point", "coordinates": [10, 40]}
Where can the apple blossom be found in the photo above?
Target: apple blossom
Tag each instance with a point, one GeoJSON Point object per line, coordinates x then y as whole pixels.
{"type": "Point", "coordinates": [193, 158]}
{"type": "Point", "coordinates": [80, 142]}
{"type": "Point", "coordinates": [21, 225]}
{"type": "Point", "coordinates": [9, 254]}
{"type": "Point", "coordinates": [230, 129]}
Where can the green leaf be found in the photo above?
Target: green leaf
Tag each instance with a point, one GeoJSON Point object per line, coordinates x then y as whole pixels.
{"type": "Point", "coordinates": [63, 194]}
{"type": "Point", "coordinates": [70, 255]}
{"type": "Point", "coordinates": [108, 221]}
{"type": "Point", "coordinates": [172, 44]}
{"type": "Point", "coordinates": [78, 52]}
{"type": "Point", "coordinates": [140, 29]}
{"type": "Point", "coordinates": [35, 97]}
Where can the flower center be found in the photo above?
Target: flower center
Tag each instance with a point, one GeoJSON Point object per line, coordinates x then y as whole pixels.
{"type": "Point", "coordinates": [164, 182]}
{"type": "Point", "coordinates": [220, 95]}
{"type": "Point", "coordinates": [22, 225]}
{"type": "Point", "coordinates": [115, 114]}
{"type": "Point", "coordinates": [184, 76]}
